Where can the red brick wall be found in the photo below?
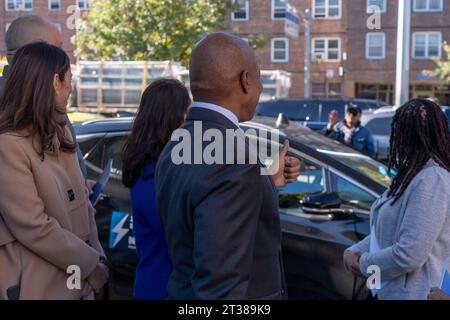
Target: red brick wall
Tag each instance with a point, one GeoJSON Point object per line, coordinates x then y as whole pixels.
{"type": "Point", "coordinates": [352, 29]}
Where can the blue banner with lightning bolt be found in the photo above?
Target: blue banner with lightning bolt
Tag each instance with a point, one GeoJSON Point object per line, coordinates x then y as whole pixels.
{"type": "Point", "coordinates": [121, 231]}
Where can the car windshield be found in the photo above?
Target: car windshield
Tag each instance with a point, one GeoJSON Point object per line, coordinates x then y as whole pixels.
{"type": "Point", "coordinates": [351, 158]}
{"type": "Point", "coordinates": [366, 165]}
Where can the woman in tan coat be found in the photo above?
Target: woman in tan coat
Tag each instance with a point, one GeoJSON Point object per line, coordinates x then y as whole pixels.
{"type": "Point", "coordinates": [49, 247]}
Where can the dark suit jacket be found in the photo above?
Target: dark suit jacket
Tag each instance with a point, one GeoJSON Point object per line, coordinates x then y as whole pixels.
{"type": "Point", "coordinates": [222, 224]}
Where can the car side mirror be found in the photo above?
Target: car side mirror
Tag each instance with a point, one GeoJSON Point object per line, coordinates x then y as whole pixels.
{"type": "Point", "coordinates": [325, 204]}
{"type": "Point", "coordinates": [282, 121]}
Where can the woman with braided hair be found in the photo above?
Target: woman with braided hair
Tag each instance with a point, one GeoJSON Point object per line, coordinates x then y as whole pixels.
{"type": "Point", "coordinates": [410, 223]}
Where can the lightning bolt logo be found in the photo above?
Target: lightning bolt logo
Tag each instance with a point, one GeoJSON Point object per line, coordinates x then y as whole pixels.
{"type": "Point", "coordinates": [118, 232]}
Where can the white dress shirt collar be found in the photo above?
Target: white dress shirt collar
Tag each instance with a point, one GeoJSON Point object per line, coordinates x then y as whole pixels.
{"type": "Point", "coordinates": [225, 112]}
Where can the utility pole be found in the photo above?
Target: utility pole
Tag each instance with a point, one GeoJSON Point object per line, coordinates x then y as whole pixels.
{"type": "Point", "coordinates": [403, 52]}
{"type": "Point", "coordinates": [306, 18]}
{"type": "Point", "coordinates": [307, 70]}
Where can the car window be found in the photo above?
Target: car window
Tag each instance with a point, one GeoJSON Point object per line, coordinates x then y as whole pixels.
{"type": "Point", "coordinates": [113, 150]}
{"type": "Point", "coordinates": [380, 126]}
{"type": "Point", "coordinates": [351, 194]}
{"type": "Point", "coordinates": [107, 148]}
{"type": "Point", "coordinates": [297, 110]}
{"type": "Point", "coordinates": [93, 158]}
{"type": "Point", "coordinates": [310, 181]}
{"type": "Point", "coordinates": [87, 144]}
{"type": "Point", "coordinates": [447, 113]}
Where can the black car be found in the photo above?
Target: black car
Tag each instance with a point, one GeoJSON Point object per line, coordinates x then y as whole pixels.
{"type": "Point", "coordinates": [313, 113]}
{"type": "Point", "coordinates": [324, 212]}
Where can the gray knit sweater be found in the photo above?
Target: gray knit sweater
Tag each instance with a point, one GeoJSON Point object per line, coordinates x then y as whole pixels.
{"type": "Point", "coordinates": [413, 235]}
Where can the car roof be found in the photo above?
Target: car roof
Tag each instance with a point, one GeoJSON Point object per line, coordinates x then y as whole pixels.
{"type": "Point", "coordinates": [322, 99]}
{"type": "Point", "coordinates": [106, 125]}
{"type": "Point", "coordinates": [388, 111]}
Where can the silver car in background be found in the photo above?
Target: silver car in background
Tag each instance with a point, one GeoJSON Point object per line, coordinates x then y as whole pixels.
{"type": "Point", "coordinates": [379, 124]}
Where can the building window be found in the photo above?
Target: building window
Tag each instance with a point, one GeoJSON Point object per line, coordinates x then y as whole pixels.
{"type": "Point", "coordinates": [84, 4]}
{"type": "Point", "coordinates": [376, 46]}
{"type": "Point", "coordinates": [54, 4]}
{"type": "Point", "coordinates": [280, 50]}
{"type": "Point", "coordinates": [380, 92]}
{"type": "Point", "coordinates": [428, 5]}
{"type": "Point", "coordinates": [327, 9]}
{"type": "Point", "coordinates": [380, 4]}
{"type": "Point", "coordinates": [19, 5]}
{"type": "Point", "coordinates": [334, 89]}
{"type": "Point", "coordinates": [427, 45]}
{"type": "Point", "coordinates": [278, 10]}
{"type": "Point", "coordinates": [7, 26]}
{"type": "Point", "coordinates": [327, 49]}
{"type": "Point", "coordinates": [242, 12]}
{"type": "Point", "coordinates": [320, 90]}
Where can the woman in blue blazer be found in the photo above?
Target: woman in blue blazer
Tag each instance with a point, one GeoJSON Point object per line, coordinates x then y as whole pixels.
{"type": "Point", "coordinates": [163, 109]}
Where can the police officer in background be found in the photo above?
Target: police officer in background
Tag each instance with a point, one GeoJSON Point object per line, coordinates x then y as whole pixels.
{"type": "Point", "coordinates": [350, 131]}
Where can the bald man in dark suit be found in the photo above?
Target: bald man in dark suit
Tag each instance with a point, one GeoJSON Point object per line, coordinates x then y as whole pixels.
{"type": "Point", "coordinates": [221, 220]}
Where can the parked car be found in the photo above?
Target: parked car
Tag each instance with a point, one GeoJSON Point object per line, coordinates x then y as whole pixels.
{"type": "Point", "coordinates": [379, 124]}
{"type": "Point", "coordinates": [324, 212]}
{"type": "Point", "coordinates": [313, 113]}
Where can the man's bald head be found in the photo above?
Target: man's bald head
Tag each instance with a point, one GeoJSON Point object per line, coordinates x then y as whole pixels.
{"type": "Point", "coordinates": [222, 67]}
{"type": "Point", "coordinates": [27, 29]}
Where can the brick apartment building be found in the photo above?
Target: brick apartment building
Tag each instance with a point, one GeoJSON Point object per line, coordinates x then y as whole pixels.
{"type": "Point", "coordinates": [348, 59]}
{"type": "Point", "coordinates": [55, 11]}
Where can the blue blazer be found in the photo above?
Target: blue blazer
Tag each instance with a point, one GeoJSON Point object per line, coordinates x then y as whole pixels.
{"type": "Point", "coordinates": [154, 266]}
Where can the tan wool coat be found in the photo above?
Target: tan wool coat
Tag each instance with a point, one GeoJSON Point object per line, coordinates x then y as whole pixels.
{"type": "Point", "coordinates": [45, 222]}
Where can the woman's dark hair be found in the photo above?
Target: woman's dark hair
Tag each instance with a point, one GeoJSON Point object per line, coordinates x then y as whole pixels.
{"type": "Point", "coordinates": [28, 100]}
{"type": "Point", "coordinates": [162, 110]}
{"type": "Point", "coordinates": [419, 132]}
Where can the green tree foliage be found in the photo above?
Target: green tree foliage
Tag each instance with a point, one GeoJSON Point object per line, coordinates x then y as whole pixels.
{"type": "Point", "coordinates": [148, 29]}
{"type": "Point", "coordinates": [443, 66]}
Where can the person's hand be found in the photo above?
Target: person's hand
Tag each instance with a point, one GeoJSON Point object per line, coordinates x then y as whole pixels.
{"type": "Point", "coordinates": [91, 209]}
{"type": "Point", "coordinates": [99, 276]}
{"type": "Point", "coordinates": [86, 290]}
{"type": "Point", "coordinates": [438, 294]}
{"type": "Point", "coordinates": [291, 169]}
{"type": "Point", "coordinates": [333, 118]}
{"type": "Point", "coordinates": [351, 261]}
{"type": "Point", "coordinates": [279, 177]}
{"type": "Point", "coordinates": [90, 185]}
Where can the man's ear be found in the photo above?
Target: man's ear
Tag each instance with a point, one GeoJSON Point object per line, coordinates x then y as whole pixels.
{"type": "Point", "coordinates": [245, 81]}
{"type": "Point", "coordinates": [57, 83]}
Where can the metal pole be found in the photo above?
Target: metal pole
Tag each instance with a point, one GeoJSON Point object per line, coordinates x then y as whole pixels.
{"type": "Point", "coordinates": [403, 45]}
{"type": "Point", "coordinates": [307, 70]}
